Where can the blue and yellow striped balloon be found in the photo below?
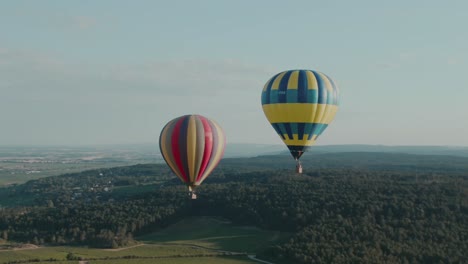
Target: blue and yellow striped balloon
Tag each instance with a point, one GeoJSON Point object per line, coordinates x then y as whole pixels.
{"type": "Point", "coordinates": [300, 104]}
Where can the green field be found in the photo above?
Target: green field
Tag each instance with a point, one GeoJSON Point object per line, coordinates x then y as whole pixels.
{"type": "Point", "coordinates": [216, 234]}
{"type": "Point", "coordinates": [193, 240]}
{"type": "Point", "coordinates": [200, 260]}
{"type": "Point", "coordinates": [139, 254]}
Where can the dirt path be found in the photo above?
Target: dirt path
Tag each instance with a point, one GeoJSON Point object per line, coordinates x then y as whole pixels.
{"type": "Point", "coordinates": [202, 247]}
{"type": "Point", "coordinates": [22, 247]}
{"type": "Point", "coordinates": [234, 253]}
{"type": "Point", "coordinates": [124, 248]}
{"type": "Point", "coordinates": [253, 257]}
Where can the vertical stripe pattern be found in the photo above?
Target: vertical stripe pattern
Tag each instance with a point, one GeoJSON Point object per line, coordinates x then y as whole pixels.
{"type": "Point", "coordinates": [192, 146]}
{"type": "Point", "coordinates": [300, 104]}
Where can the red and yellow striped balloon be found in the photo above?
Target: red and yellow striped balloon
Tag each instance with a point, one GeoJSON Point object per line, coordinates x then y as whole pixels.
{"type": "Point", "coordinates": [192, 146]}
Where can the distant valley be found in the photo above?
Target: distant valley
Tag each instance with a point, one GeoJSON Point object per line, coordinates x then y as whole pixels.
{"type": "Point", "coordinates": [22, 163]}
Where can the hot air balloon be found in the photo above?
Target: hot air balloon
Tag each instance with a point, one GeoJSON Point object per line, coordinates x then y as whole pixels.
{"type": "Point", "coordinates": [192, 146]}
{"type": "Point", "coordinates": [300, 104]}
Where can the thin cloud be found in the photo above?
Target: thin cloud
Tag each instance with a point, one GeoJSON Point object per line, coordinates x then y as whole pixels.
{"type": "Point", "coordinates": [453, 61]}
{"type": "Point", "coordinates": [192, 76]}
{"type": "Point", "coordinates": [22, 62]}
{"type": "Point", "coordinates": [398, 60]}
{"type": "Point", "coordinates": [407, 56]}
{"type": "Point", "coordinates": [83, 22]}
{"type": "Point", "coordinates": [41, 19]}
{"type": "Point", "coordinates": [387, 65]}
{"type": "Point", "coordinates": [33, 71]}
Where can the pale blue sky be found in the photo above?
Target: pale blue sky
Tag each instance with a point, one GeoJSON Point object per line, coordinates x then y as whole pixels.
{"type": "Point", "coordinates": [110, 72]}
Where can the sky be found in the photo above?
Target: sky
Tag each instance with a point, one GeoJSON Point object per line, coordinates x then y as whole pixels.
{"type": "Point", "coordinates": [115, 72]}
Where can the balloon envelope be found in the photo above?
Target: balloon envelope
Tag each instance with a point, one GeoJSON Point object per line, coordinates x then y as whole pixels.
{"type": "Point", "coordinates": [300, 104]}
{"type": "Point", "coordinates": [192, 146]}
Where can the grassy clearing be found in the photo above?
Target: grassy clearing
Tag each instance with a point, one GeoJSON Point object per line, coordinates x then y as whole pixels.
{"type": "Point", "coordinates": [170, 254]}
{"type": "Point", "coordinates": [60, 253]}
{"type": "Point", "coordinates": [193, 240]}
{"type": "Point", "coordinates": [217, 234]}
{"type": "Point", "coordinates": [201, 260]}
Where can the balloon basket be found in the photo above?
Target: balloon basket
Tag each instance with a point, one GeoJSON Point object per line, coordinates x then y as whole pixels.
{"type": "Point", "coordinates": [193, 195]}
{"type": "Point", "coordinates": [299, 168]}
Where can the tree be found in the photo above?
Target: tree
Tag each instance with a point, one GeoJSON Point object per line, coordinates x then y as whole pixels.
{"type": "Point", "coordinates": [71, 256]}
{"type": "Point", "coordinates": [114, 244]}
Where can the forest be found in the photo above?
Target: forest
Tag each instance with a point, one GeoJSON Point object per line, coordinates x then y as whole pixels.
{"type": "Point", "coordinates": [345, 208]}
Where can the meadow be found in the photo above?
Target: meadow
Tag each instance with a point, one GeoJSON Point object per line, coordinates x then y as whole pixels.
{"type": "Point", "coordinates": [140, 254]}
{"type": "Point", "coordinates": [192, 240]}
{"type": "Point", "coordinates": [216, 233]}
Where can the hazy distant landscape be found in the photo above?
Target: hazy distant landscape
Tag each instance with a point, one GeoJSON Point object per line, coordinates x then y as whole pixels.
{"type": "Point", "coordinates": [22, 163]}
